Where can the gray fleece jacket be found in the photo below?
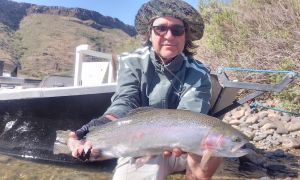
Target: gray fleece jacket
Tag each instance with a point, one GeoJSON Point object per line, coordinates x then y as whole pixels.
{"type": "Point", "coordinates": [184, 83]}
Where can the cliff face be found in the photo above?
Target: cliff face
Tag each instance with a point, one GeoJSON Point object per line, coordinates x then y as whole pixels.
{"type": "Point", "coordinates": [11, 13]}
{"type": "Point", "coordinates": [98, 20]}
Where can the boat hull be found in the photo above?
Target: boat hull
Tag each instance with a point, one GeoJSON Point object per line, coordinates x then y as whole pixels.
{"type": "Point", "coordinates": [28, 126]}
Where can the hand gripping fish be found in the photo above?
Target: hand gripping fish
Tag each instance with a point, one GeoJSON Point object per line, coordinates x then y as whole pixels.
{"type": "Point", "coordinates": [148, 131]}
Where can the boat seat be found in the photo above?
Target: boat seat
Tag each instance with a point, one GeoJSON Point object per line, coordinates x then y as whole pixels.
{"type": "Point", "coordinates": [221, 96]}
{"type": "Point", "coordinates": [94, 73]}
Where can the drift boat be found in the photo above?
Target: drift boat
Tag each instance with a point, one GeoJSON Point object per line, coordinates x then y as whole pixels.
{"type": "Point", "coordinates": [31, 111]}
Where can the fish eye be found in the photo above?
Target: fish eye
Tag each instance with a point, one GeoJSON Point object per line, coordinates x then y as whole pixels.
{"type": "Point", "coordinates": [236, 139]}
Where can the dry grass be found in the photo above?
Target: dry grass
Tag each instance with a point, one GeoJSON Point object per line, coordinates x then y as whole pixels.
{"type": "Point", "coordinates": [50, 42]}
{"type": "Point", "coordinates": [45, 44]}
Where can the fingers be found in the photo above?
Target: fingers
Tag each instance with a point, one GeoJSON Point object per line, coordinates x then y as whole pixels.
{"type": "Point", "coordinates": [167, 154]}
{"type": "Point", "coordinates": [87, 146]}
{"type": "Point", "coordinates": [77, 147]}
{"type": "Point", "coordinates": [204, 170]}
{"type": "Point", "coordinates": [175, 152]}
{"type": "Point", "coordinates": [211, 161]}
{"type": "Point", "coordinates": [82, 149]}
{"type": "Point", "coordinates": [72, 135]}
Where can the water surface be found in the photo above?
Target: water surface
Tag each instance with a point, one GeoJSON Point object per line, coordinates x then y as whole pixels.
{"type": "Point", "coordinates": [20, 168]}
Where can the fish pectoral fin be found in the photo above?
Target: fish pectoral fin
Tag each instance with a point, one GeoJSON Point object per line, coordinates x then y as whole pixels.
{"type": "Point", "coordinates": [207, 154]}
{"type": "Point", "coordinates": [139, 162]}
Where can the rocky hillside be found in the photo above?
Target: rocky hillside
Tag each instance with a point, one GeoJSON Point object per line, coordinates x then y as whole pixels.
{"type": "Point", "coordinates": [11, 14]}
{"type": "Point", "coordinates": [42, 39]}
{"type": "Point", "coordinates": [91, 18]}
{"type": "Point", "coordinates": [256, 35]}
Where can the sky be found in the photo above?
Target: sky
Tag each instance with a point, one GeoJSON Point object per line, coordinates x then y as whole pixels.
{"type": "Point", "coordinates": [124, 10]}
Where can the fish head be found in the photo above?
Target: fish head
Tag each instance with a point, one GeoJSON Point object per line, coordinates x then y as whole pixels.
{"type": "Point", "coordinates": [228, 142]}
{"type": "Point", "coordinates": [232, 146]}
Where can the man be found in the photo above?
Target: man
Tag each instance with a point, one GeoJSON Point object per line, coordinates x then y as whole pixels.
{"type": "Point", "coordinates": [163, 74]}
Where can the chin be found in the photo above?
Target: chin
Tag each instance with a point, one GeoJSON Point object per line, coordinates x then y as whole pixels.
{"type": "Point", "coordinates": [169, 55]}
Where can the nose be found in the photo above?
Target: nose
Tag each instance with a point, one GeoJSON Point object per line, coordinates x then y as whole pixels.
{"type": "Point", "coordinates": [169, 34]}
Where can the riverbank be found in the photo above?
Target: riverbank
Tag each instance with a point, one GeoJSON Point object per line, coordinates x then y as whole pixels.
{"type": "Point", "coordinates": [275, 143]}
{"type": "Point", "coordinates": [267, 129]}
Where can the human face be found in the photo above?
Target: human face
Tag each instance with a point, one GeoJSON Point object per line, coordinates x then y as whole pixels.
{"type": "Point", "coordinates": [167, 46]}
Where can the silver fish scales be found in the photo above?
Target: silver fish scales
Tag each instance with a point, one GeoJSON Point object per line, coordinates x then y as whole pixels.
{"type": "Point", "coordinates": [150, 131]}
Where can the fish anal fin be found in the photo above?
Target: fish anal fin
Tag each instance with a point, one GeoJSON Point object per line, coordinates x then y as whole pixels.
{"type": "Point", "coordinates": [207, 154]}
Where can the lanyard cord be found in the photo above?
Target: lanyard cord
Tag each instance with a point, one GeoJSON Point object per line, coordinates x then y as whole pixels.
{"type": "Point", "coordinates": [164, 67]}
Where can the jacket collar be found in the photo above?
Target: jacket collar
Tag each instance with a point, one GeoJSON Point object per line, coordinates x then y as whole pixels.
{"type": "Point", "coordinates": [173, 66]}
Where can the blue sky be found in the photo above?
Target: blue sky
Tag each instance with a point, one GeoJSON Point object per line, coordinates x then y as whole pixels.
{"type": "Point", "coordinates": [124, 10]}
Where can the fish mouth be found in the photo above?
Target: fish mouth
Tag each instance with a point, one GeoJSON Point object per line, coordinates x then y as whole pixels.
{"type": "Point", "coordinates": [237, 148]}
{"type": "Point", "coordinates": [237, 151]}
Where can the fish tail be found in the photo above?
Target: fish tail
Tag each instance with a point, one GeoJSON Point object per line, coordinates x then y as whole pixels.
{"type": "Point", "coordinates": [60, 145]}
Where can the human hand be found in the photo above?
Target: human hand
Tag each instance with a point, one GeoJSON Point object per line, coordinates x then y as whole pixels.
{"type": "Point", "coordinates": [81, 149]}
{"type": "Point", "coordinates": [175, 152]}
{"type": "Point", "coordinates": [199, 167]}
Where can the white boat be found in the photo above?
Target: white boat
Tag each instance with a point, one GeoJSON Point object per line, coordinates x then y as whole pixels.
{"type": "Point", "coordinates": [32, 110]}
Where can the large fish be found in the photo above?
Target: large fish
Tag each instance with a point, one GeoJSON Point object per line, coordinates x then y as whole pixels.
{"type": "Point", "coordinates": [149, 131]}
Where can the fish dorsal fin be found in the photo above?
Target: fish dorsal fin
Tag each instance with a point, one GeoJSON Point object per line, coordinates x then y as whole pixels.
{"type": "Point", "coordinates": [140, 110]}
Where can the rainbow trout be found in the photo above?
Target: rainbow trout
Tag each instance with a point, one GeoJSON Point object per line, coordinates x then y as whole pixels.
{"type": "Point", "coordinates": [149, 131]}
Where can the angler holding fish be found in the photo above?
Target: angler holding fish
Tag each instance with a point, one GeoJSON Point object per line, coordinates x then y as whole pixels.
{"type": "Point", "coordinates": [163, 75]}
{"type": "Point", "coordinates": [146, 132]}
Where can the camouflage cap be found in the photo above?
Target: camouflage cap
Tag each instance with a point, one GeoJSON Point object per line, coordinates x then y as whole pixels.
{"type": "Point", "coordinates": [175, 8]}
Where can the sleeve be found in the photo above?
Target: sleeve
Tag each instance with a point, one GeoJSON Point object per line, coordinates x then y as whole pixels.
{"type": "Point", "coordinates": [127, 95]}
{"type": "Point", "coordinates": [94, 122]}
{"type": "Point", "coordinates": [197, 95]}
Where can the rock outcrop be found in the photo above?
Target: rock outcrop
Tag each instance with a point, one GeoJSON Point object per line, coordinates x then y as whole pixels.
{"type": "Point", "coordinates": [11, 13]}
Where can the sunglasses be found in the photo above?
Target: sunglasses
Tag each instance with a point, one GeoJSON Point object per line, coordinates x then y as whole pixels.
{"type": "Point", "coordinates": [161, 30]}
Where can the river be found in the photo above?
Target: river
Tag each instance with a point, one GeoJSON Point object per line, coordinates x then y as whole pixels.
{"type": "Point", "coordinates": [24, 131]}
{"type": "Point", "coordinates": [27, 169]}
